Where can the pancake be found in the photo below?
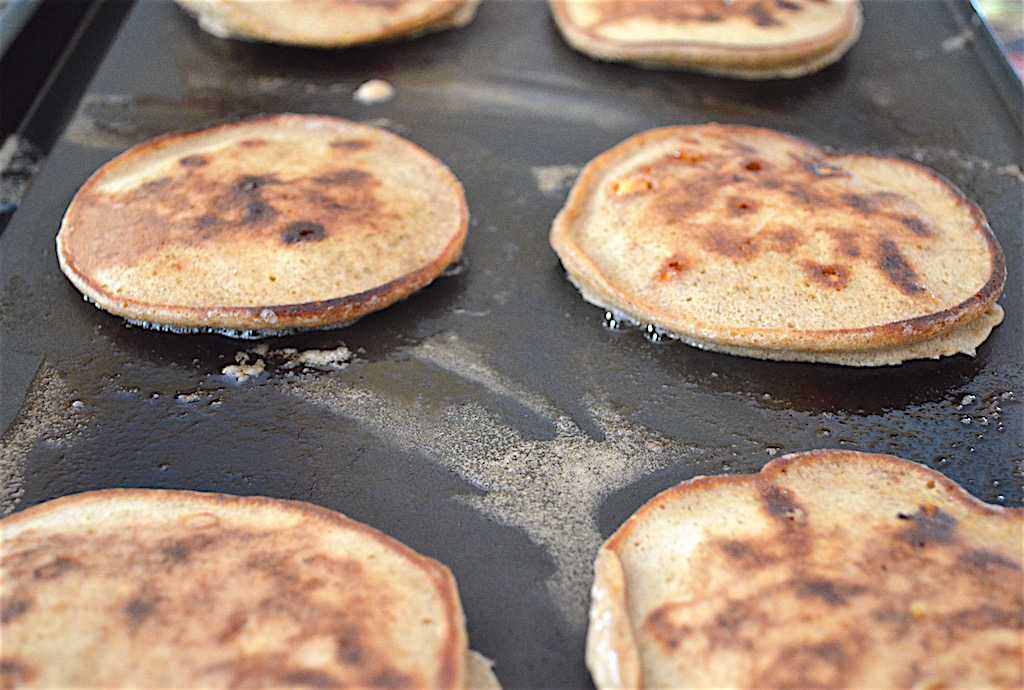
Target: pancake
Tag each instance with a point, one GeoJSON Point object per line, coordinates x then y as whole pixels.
{"type": "Point", "coordinates": [826, 569]}
{"type": "Point", "coordinates": [755, 243]}
{"type": "Point", "coordinates": [745, 39]}
{"type": "Point", "coordinates": [261, 226]}
{"type": "Point", "coordinates": [160, 588]}
{"type": "Point", "coordinates": [328, 23]}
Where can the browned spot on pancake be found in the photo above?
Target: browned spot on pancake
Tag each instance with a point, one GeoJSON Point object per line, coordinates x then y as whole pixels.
{"type": "Point", "coordinates": [830, 275]}
{"type": "Point", "coordinates": [824, 664]}
{"type": "Point", "coordinates": [754, 165]}
{"type": "Point", "coordinates": [206, 222]}
{"type": "Point", "coordinates": [674, 266]}
{"type": "Point", "coordinates": [739, 550]}
{"type": "Point", "coordinates": [181, 550]}
{"type": "Point", "coordinates": [730, 242]}
{"type": "Point", "coordinates": [193, 161]}
{"type": "Point", "coordinates": [783, 240]}
{"type": "Point", "coordinates": [660, 626]}
{"type": "Point", "coordinates": [739, 206]}
{"type": "Point", "coordinates": [348, 176]}
{"type": "Point", "coordinates": [846, 240]}
{"type": "Point", "coordinates": [258, 212]}
{"type": "Point", "coordinates": [780, 504]}
{"type": "Point", "coordinates": [762, 13]}
{"type": "Point", "coordinates": [55, 568]}
{"type": "Point", "coordinates": [980, 558]}
{"type": "Point", "coordinates": [895, 268]}
{"type": "Point", "coordinates": [916, 225]}
{"type": "Point", "coordinates": [13, 607]}
{"type": "Point", "coordinates": [302, 231]}
{"type": "Point", "coordinates": [823, 589]}
{"type": "Point", "coordinates": [310, 678]}
{"type": "Point", "coordinates": [249, 183]}
{"type": "Point", "coordinates": [929, 525]}
{"type": "Point", "coordinates": [252, 143]}
{"type": "Point", "coordinates": [235, 624]}
{"type": "Point", "coordinates": [389, 678]}
{"type": "Point", "coordinates": [139, 609]}
{"type": "Point", "coordinates": [348, 648]}
{"type": "Point", "coordinates": [349, 144]}
{"type": "Point", "coordinates": [859, 202]}
{"type": "Point", "coordinates": [154, 188]}
{"type": "Point", "coordinates": [14, 672]}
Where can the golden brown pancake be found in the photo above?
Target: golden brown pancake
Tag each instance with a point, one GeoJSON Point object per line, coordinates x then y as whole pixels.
{"type": "Point", "coordinates": [826, 569]}
{"type": "Point", "coordinates": [328, 23]}
{"type": "Point", "coordinates": [156, 588]}
{"type": "Point", "coordinates": [746, 39]}
{"type": "Point", "coordinates": [755, 243]}
{"type": "Point", "coordinates": [260, 226]}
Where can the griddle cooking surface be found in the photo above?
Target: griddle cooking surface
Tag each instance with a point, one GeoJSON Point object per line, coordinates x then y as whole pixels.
{"type": "Point", "coordinates": [493, 421]}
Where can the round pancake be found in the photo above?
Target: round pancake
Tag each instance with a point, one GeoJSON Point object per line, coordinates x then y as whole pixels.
{"type": "Point", "coordinates": [755, 243]}
{"type": "Point", "coordinates": [746, 39]}
{"type": "Point", "coordinates": [826, 569]}
{"type": "Point", "coordinates": [328, 23]}
{"type": "Point", "coordinates": [260, 226]}
{"type": "Point", "coordinates": [157, 588]}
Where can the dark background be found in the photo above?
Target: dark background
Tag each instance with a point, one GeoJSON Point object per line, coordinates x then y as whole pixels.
{"type": "Point", "coordinates": [89, 402]}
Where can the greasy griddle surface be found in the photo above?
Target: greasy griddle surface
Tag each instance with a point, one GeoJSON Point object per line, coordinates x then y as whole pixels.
{"type": "Point", "coordinates": [493, 421]}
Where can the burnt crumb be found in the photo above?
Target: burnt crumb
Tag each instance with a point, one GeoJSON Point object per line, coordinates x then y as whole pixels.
{"type": "Point", "coordinates": [193, 161]}
{"type": "Point", "coordinates": [257, 212]}
{"type": "Point", "coordinates": [930, 525]}
{"type": "Point", "coordinates": [891, 263]}
{"type": "Point", "coordinates": [302, 231]}
{"type": "Point", "coordinates": [674, 266]}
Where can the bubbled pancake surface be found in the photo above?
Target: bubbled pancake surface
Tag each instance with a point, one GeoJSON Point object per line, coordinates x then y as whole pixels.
{"type": "Point", "coordinates": [328, 23]}
{"type": "Point", "coordinates": [826, 569]}
{"type": "Point", "coordinates": [291, 221]}
{"type": "Point", "coordinates": [749, 241]}
{"type": "Point", "coordinates": [155, 588]}
{"type": "Point", "coordinates": [749, 39]}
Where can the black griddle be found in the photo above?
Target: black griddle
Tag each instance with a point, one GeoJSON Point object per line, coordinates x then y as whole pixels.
{"type": "Point", "coordinates": [90, 402]}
